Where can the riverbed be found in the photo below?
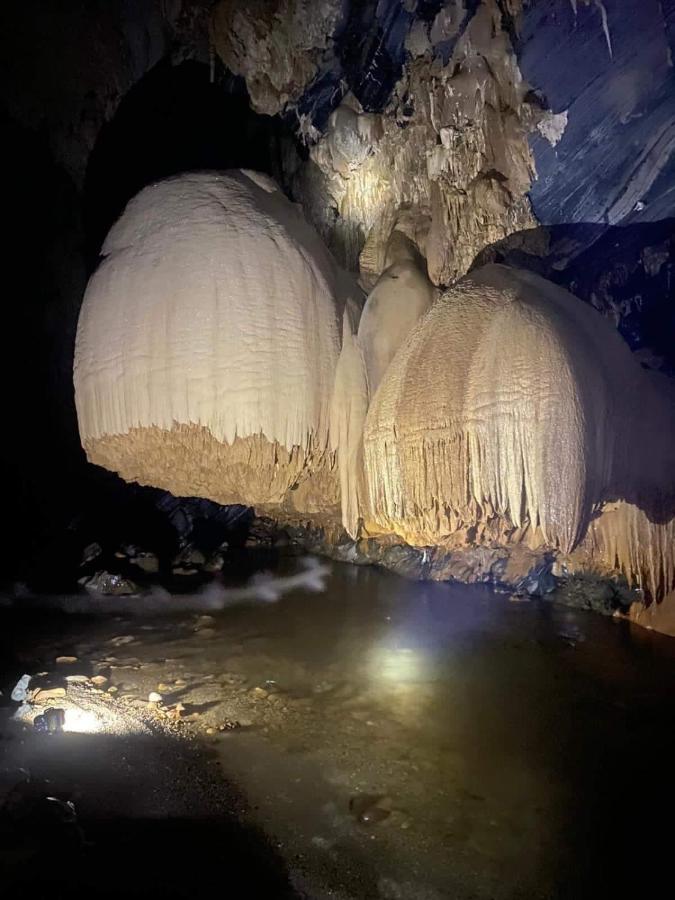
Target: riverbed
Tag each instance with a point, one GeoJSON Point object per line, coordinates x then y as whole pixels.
{"type": "Point", "coordinates": [382, 738]}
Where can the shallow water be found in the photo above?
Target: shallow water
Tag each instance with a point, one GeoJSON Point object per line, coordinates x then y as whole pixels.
{"type": "Point", "coordinates": [407, 740]}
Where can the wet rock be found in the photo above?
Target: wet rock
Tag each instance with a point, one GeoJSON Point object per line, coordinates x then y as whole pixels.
{"type": "Point", "coordinates": [538, 581]}
{"type": "Point", "coordinates": [65, 660]}
{"type": "Point", "coordinates": [261, 533]}
{"type": "Point", "coordinates": [259, 693]}
{"type": "Point", "coordinates": [110, 584]}
{"type": "Point", "coordinates": [77, 679]}
{"type": "Point", "coordinates": [410, 562]}
{"type": "Point", "coordinates": [370, 809]}
{"type": "Point", "coordinates": [50, 721]}
{"type": "Point", "coordinates": [44, 695]}
{"type": "Point", "coordinates": [214, 563]}
{"type": "Point", "coordinates": [99, 680]}
{"type": "Point", "coordinates": [122, 639]}
{"type": "Point", "coordinates": [472, 565]}
{"type": "Point", "coordinates": [599, 595]}
{"type": "Point", "coordinates": [189, 558]}
{"type": "Point", "coordinates": [183, 571]}
{"type": "Point", "coordinates": [229, 725]}
{"type": "Point", "coordinates": [20, 689]}
{"type": "Point", "coordinates": [90, 553]}
{"type": "Point", "coordinates": [148, 562]}
{"type": "Point", "coordinates": [207, 633]}
{"type": "Point", "coordinates": [176, 711]}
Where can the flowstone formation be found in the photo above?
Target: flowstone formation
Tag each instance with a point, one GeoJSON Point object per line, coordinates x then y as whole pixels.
{"type": "Point", "coordinates": [222, 354]}
{"type": "Point", "coordinates": [511, 415]}
{"type": "Point", "coordinates": [487, 426]}
{"type": "Point", "coordinates": [207, 345]}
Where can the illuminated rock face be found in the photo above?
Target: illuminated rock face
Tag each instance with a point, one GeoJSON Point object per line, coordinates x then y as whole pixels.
{"type": "Point", "coordinates": [511, 414]}
{"type": "Point", "coordinates": [207, 345]}
{"type": "Point", "coordinates": [400, 297]}
{"type": "Point", "coordinates": [221, 354]}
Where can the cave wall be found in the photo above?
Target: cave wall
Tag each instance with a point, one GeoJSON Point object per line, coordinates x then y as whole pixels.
{"type": "Point", "coordinates": [487, 130]}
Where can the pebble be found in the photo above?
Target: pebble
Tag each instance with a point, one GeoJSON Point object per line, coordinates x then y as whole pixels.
{"type": "Point", "coordinates": [44, 694]}
{"type": "Point", "coordinates": [112, 689]}
{"type": "Point", "coordinates": [369, 809]}
{"type": "Point", "coordinates": [154, 697]}
{"type": "Point", "coordinates": [66, 660]}
{"type": "Point", "coordinates": [259, 693]}
{"type": "Point", "coordinates": [77, 679]}
{"type": "Point", "coordinates": [163, 688]}
{"type": "Point", "coordinates": [175, 712]}
{"type": "Point", "coordinates": [99, 680]}
{"type": "Point", "coordinates": [229, 725]}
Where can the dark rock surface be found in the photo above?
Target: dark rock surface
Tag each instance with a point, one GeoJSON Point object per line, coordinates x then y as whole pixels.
{"type": "Point", "coordinates": [609, 66]}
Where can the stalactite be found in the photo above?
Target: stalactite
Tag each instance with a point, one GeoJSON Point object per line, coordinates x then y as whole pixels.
{"type": "Point", "coordinates": [625, 539]}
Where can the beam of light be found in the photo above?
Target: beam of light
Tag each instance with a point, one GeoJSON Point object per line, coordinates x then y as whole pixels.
{"type": "Point", "coordinates": [82, 721]}
{"type": "Point", "coordinates": [397, 665]}
{"type": "Point", "coordinates": [98, 719]}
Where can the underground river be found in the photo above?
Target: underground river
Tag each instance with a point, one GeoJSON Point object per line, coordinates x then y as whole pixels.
{"type": "Point", "coordinates": [381, 738]}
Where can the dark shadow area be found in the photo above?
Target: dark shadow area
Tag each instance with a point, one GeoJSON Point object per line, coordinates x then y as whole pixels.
{"type": "Point", "coordinates": [44, 280]}
{"type": "Point", "coordinates": [625, 272]}
{"type": "Point", "coordinates": [175, 120]}
{"type": "Point", "coordinates": [150, 817]}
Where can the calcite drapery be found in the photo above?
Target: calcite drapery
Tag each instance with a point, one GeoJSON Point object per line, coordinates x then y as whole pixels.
{"type": "Point", "coordinates": [515, 408]}
{"type": "Point", "coordinates": [208, 341]}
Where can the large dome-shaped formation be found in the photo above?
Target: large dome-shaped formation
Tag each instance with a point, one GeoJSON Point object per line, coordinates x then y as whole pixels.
{"type": "Point", "coordinates": [511, 412]}
{"type": "Point", "coordinates": [207, 344]}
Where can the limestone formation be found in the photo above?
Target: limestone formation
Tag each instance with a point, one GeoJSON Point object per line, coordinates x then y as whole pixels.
{"type": "Point", "coordinates": [401, 296]}
{"type": "Point", "coordinates": [449, 155]}
{"type": "Point", "coordinates": [207, 345]}
{"type": "Point", "coordinates": [276, 46]}
{"type": "Point", "coordinates": [511, 415]}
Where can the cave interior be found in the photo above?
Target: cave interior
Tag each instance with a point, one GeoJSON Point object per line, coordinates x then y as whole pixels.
{"type": "Point", "coordinates": [340, 354]}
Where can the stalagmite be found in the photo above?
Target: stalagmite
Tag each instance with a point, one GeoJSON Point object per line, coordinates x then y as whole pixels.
{"type": "Point", "coordinates": [207, 344]}
{"type": "Point", "coordinates": [402, 294]}
{"type": "Point", "coordinates": [513, 402]}
{"type": "Point", "coordinates": [400, 297]}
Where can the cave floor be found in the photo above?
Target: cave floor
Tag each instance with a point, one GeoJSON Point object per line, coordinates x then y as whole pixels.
{"type": "Point", "coordinates": [382, 739]}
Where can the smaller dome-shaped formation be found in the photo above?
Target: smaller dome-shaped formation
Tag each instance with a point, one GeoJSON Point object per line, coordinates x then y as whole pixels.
{"type": "Point", "coordinates": [401, 296]}
{"type": "Point", "coordinates": [207, 344]}
{"type": "Point", "coordinates": [514, 403]}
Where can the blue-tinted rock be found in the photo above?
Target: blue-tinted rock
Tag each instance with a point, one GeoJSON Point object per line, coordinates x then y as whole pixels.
{"type": "Point", "coordinates": [610, 66]}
